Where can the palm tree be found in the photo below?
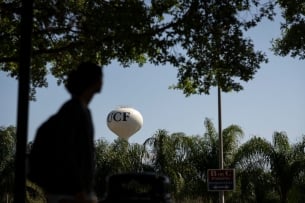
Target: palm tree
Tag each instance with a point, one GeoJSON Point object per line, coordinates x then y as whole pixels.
{"type": "Point", "coordinates": [157, 146]}
{"type": "Point", "coordinates": [297, 191]}
{"type": "Point", "coordinates": [280, 160]}
{"type": "Point", "coordinates": [161, 148]}
{"type": "Point", "coordinates": [186, 159]}
{"type": "Point", "coordinates": [231, 136]}
{"type": "Point", "coordinates": [117, 157]}
{"type": "Point", "coordinates": [287, 162]}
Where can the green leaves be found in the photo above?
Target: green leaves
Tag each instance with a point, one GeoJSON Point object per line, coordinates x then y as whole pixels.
{"type": "Point", "coordinates": [202, 39]}
{"type": "Point", "coordinates": [7, 145]}
{"type": "Point", "coordinates": [265, 171]}
{"type": "Point", "coordinates": [7, 162]}
{"type": "Point", "coordinates": [281, 159]}
{"type": "Point", "coordinates": [292, 39]}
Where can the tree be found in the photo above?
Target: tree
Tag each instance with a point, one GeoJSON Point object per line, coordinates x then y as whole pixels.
{"type": "Point", "coordinates": [283, 161]}
{"type": "Point", "coordinates": [186, 159]}
{"type": "Point", "coordinates": [203, 39]}
{"type": "Point", "coordinates": [297, 192]}
{"type": "Point", "coordinates": [117, 157]}
{"type": "Point", "coordinates": [292, 40]}
{"type": "Point", "coordinates": [7, 168]}
{"type": "Point", "coordinates": [103, 166]}
{"type": "Point", "coordinates": [66, 32]}
{"type": "Point", "coordinates": [195, 165]}
{"type": "Point", "coordinates": [162, 149]}
{"type": "Point", "coordinates": [217, 54]}
{"type": "Point", "coordinates": [159, 151]}
{"type": "Point", "coordinates": [287, 162]}
{"type": "Point", "coordinates": [7, 155]}
{"type": "Point", "coordinates": [254, 177]}
{"type": "Point", "coordinates": [231, 136]}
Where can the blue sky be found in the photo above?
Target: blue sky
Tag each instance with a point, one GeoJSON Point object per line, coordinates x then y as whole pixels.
{"type": "Point", "coordinates": [273, 101]}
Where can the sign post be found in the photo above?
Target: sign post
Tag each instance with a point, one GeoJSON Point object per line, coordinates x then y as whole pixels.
{"type": "Point", "coordinates": [221, 180]}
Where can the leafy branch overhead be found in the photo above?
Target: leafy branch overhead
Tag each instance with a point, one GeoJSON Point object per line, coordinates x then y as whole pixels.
{"type": "Point", "coordinates": [292, 41]}
{"type": "Point", "coordinates": [202, 39]}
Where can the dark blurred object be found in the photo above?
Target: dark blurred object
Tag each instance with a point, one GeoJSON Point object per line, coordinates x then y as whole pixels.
{"type": "Point", "coordinates": [137, 187]}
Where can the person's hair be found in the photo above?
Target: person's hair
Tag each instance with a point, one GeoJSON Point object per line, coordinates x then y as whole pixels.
{"type": "Point", "coordinates": [86, 75]}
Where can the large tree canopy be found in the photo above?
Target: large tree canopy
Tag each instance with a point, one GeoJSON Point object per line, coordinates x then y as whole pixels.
{"type": "Point", "coordinates": [292, 40]}
{"type": "Point", "coordinates": [203, 39]}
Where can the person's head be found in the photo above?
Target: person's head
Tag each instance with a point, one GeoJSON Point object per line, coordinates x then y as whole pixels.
{"type": "Point", "coordinates": [87, 76]}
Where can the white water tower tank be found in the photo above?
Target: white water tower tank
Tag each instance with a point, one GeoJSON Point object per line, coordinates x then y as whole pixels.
{"type": "Point", "coordinates": [124, 121]}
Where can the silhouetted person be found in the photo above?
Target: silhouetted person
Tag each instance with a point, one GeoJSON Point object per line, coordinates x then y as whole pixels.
{"type": "Point", "coordinates": [72, 178]}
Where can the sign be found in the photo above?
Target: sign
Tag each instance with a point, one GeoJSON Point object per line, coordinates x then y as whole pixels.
{"type": "Point", "coordinates": [221, 179]}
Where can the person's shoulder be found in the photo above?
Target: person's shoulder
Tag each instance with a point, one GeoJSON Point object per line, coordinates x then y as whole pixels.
{"type": "Point", "coordinates": [71, 104]}
{"type": "Point", "coordinates": [72, 107]}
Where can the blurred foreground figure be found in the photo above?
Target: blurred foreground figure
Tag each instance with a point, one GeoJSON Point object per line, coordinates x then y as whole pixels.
{"type": "Point", "coordinates": [62, 158]}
